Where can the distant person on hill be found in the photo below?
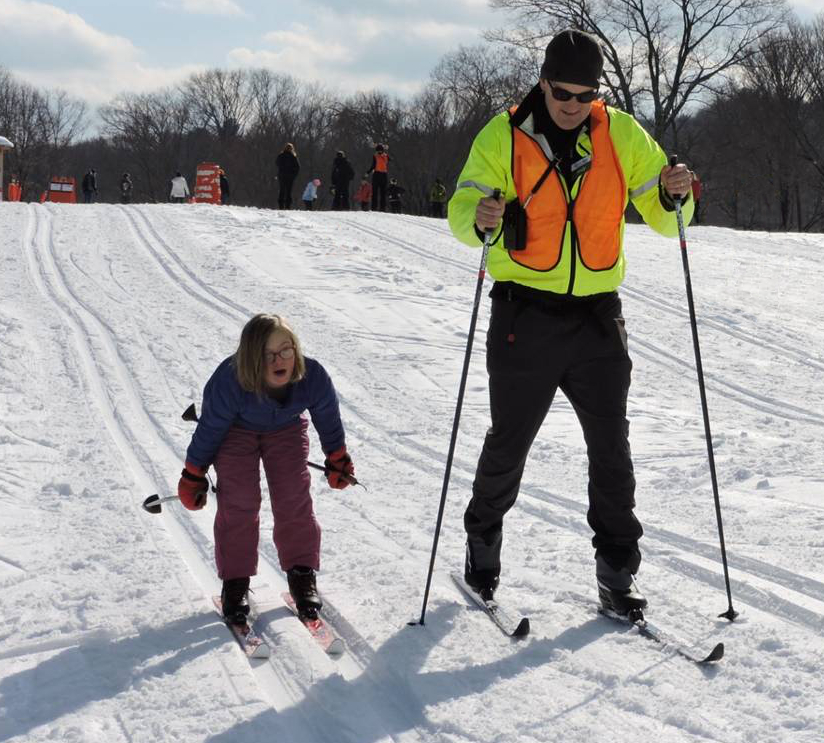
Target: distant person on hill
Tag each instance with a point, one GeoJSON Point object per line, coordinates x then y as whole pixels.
{"type": "Point", "coordinates": [363, 195]}
{"type": "Point", "coordinates": [89, 186]}
{"type": "Point", "coordinates": [126, 187]}
{"type": "Point", "coordinates": [288, 167]}
{"type": "Point", "coordinates": [342, 175]}
{"type": "Point", "coordinates": [179, 191]}
{"type": "Point", "coordinates": [394, 193]}
{"type": "Point", "coordinates": [437, 199]}
{"type": "Point", "coordinates": [253, 413]}
{"type": "Point", "coordinates": [310, 193]}
{"type": "Point", "coordinates": [224, 187]}
{"type": "Point", "coordinates": [379, 170]}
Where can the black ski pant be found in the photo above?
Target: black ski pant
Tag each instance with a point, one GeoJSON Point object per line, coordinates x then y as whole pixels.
{"type": "Point", "coordinates": [285, 192]}
{"type": "Point", "coordinates": [340, 202]}
{"type": "Point", "coordinates": [538, 343]}
{"type": "Point", "coordinates": [379, 191]}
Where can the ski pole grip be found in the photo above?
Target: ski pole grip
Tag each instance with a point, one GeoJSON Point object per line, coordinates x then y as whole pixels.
{"type": "Point", "coordinates": [673, 161]}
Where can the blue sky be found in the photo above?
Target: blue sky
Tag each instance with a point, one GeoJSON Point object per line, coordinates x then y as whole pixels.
{"type": "Point", "coordinates": [95, 49]}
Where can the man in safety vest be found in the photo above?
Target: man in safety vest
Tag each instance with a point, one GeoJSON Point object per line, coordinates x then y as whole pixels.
{"type": "Point", "coordinates": [566, 166]}
{"type": "Point", "coordinates": [378, 169]}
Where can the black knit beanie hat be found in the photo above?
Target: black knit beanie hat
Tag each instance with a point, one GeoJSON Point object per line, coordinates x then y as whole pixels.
{"type": "Point", "coordinates": [573, 57]}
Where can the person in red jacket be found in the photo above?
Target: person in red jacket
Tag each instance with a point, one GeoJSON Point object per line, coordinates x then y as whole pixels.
{"type": "Point", "coordinates": [363, 195]}
{"type": "Point", "coordinates": [252, 413]}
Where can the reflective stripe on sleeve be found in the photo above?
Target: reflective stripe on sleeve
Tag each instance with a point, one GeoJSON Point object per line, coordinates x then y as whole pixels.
{"type": "Point", "coordinates": [486, 190]}
{"type": "Point", "coordinates": [642, 189]}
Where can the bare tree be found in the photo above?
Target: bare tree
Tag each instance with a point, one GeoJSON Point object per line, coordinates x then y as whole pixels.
{"type": "Point", "coordinates": [659, 54]}
{"type": "Point", "coordinates": [220, 101]}
{"type": "Point", "coordinates": [151, 130]}
{"type": "Point", "coordinates": [785, 74]}
{"type": "Point", "coordinates": [41, 125]}
{"type": "Point", "coordinates": [61, 120]}
{"type": "Point", "coordinates": [478, 82]}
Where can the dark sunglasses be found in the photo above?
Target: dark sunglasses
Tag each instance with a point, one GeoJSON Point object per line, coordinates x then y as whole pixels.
{"type": "Point", "coordinates": [562, 94]}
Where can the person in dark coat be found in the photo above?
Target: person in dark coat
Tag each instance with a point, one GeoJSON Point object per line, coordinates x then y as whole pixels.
{"type": "Point", "coordinates": [89, 186]}
{"type": "Point", "coordinates": [394, 193]}
{"type": "Point", "coordinates": [126, 187]}
{"type": "Point", "coordinates": [288, 167]}
{"type": "Point", "coordinates": [342, 175]}
{"type": "Point", "coordinates": [224, 187]}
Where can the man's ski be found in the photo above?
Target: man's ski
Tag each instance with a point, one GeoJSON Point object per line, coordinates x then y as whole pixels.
{"type": "Point", "coordinates": [666, 640]}
{"type": "Point", "coordinates": [507, 624]}
{"type": "Point", "coordinates": [319, 629]}
{"type": "Point", "coordinates": [250, 642]}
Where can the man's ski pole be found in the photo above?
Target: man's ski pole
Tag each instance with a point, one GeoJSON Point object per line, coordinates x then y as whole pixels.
{"type": "Point", "coordinates": [730, 613]}
{"type": "Point", "coordinates": [467, 356]}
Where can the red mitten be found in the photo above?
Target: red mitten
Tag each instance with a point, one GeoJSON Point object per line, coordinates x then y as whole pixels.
{"type": "Point", "coordinates": [193, 487]}
{"type": "Point", "coordinates": [339, 468]}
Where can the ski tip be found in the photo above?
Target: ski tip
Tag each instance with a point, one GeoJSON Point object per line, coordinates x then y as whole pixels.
{"type": "Point", "coordinates": [260, 652]}
{"type": "Point", "coordinates": [715, 655]}
{"type": "Point", "coordinates": [336, 647]}
{"type": "Point", "coordinates": [522, 630]}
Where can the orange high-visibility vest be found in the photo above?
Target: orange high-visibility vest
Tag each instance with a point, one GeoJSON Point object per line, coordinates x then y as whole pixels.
{"type": "Point", "coordinates": [595, 213]}
{"type": "Point", "coordinates": [381, 162]}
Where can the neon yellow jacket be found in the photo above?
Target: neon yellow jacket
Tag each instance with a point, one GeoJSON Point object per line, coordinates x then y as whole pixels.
{"type": "Point", "coordinates": [489, 167]}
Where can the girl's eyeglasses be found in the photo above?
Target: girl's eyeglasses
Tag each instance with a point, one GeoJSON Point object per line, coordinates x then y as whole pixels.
{"type": "Point", "coordinates": [284, 353]}
{"type": "Point", "coordinates": [562, 94]}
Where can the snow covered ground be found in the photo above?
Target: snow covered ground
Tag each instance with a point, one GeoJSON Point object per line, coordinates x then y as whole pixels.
{"type": "Point", "coordinates": [111, 320]}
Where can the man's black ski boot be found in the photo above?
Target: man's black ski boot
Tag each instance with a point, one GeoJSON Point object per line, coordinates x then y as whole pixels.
{"type": "Point", "coordinates": [482, 566]}
{"type": "Point", "coordinates": [617, 591]}
{"type": "Point", "coordinates": [304, 591]}
{"type": "Point", "coordinates": [233, 599]}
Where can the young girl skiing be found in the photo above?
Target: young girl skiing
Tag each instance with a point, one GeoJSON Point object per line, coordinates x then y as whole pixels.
{"type": "Point", "coordinates": [252, 413]}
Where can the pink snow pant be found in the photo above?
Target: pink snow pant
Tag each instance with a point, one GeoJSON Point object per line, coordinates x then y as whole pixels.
{"type": "Point", "coordinates": [237, 525]}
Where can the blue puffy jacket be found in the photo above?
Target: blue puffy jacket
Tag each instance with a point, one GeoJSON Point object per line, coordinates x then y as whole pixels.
{"type": "Point", "coordinates": [227, 404]}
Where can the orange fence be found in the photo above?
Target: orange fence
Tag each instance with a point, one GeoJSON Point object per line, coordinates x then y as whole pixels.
{"type": "Point", "coordinates": [15, 191]}
{"type": "Point", "coordinates": [207, 184]}
{"type": "Point", "coordinates": [61, 190]}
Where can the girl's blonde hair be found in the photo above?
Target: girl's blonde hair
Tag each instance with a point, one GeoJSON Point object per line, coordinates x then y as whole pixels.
{"type": "Point", "coordinates": [249, 357]}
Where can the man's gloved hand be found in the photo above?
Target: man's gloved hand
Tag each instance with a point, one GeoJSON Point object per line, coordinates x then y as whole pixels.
{"type": "Point", "coordinates": [193, 487]}
{"type": "Point", "coordinates": [338, 465]}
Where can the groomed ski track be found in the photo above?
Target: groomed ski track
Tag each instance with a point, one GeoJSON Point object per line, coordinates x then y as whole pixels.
{"type": "Point", "coordinates": [183, 282]}
{"type": "Point", "coordinates": [287, 678]}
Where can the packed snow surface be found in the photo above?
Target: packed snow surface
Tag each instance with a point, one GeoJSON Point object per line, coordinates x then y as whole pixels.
{"type": "Point", "coordinates": [112, 319]}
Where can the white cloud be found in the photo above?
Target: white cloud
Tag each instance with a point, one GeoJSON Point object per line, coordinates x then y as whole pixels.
{"type": "Point", "coordinates": [50, 48]}
{"type": "Point", "coordinates": [39, 35]}
{"type": "Point", "coordinates": [206, 7]}
{"type": "Point", "coordinates": [349, 51]}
